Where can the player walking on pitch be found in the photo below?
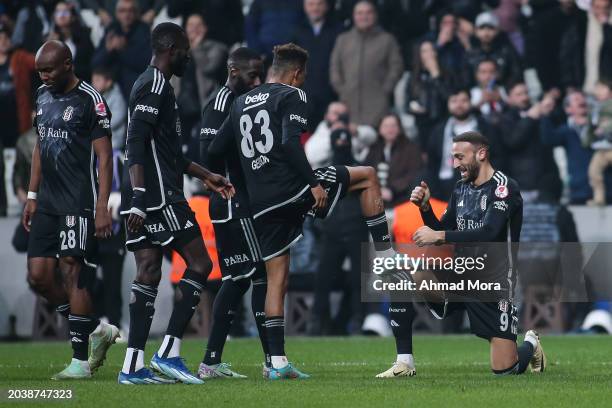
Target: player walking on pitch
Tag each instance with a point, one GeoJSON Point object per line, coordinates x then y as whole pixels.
{"type": "Point", "coordinates": [67, 204]}
{"type": "Point", "coordinates": [158, 212]}
{"type": "Point", "coordinates": [235, 239]}
{"type": "Point", "coordinates": [265, 125]}
{"type": "Point", "coordinates": [485, 206]}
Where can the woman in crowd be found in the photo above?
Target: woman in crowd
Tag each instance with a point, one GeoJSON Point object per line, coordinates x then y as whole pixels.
{"type": "Point", "coordinates": [67, 27]}
{"type": "Point", "coordinates": [396, 159]}
{"type": "Point", "coordinates": [427, 89]}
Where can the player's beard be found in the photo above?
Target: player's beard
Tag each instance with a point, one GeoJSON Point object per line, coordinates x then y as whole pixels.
{"type": "Point", "coordinates": [471, 172]}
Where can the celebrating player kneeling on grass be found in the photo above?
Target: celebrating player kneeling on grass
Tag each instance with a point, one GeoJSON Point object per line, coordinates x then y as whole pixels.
{"type": "Point", "coordinates": [265, 125]}
{"type": "Point", "coordinates": [485, 207]}
{"type": "Point", "coordinates": [158, 212]}
{"type": "Point", "coordinates": [236, 243]}
{"type": "Point", "coordinates": [65, 207]}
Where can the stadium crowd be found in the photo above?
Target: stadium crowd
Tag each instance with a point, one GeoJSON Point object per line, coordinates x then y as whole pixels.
{"type": "Point", "coordinates": [390, 83]}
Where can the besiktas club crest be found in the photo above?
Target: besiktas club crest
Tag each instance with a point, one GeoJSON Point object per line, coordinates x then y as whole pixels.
{"type": "Point", "coordinates": [68, 113]}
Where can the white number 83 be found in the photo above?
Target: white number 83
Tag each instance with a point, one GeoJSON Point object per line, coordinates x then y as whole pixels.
{"type": "Point", "coordinates": [262, 118]}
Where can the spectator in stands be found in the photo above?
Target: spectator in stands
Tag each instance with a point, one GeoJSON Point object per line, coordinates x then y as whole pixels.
{"type": "Point", "coordinates": [365, 66]}
{"type": "Point", "coordinates": [317, 34]}
{"type": "Point", "coordinates": [318, 147]}
{"type": "Point", "coordinates": [508, 14]}
{"type": "Point", "coordinates": [543, 30]}
{"type": "Point", "coordinates": [450, 46]}
{"type": "Point", "coordinates": [586, 48]}
{"type": "Point", "coordinates": [271, 22]}
{"type": "Point", "coordinates": [16, 69]}
{"type": "Point", "coordinates": [489, 96]}
{"type": "Point", "coordinates": [67, 27]}
{"type": "Point", "coordinates": [599, 134]}
{"type": "Point", "coordinates": [224, 18]}
{"type": "Point", "coordinates": [102, 80]}
{"type": "Point", "coordinates": [396, 159]}
{"type": "Point", "coordinates": [125, 46]}
{"type": "Point", "coordinates": [439, 158]}
{"type": "Point", "coordinates": [466, 10]}
{"type": "Point", "coordinates": [427, 89]}
{"type": "Point", "coordinates": [571, 136]}
{"type": "Point", "coordinates": [208, 57]}
{"type": "Point", "coordinates": [489, 43]}
{"type": "Point", "coordinates": [528, 159]}
{"type": "Point", "coordinates": [31, 26]}
{"type": "Point", "coordinates": [106, 8]}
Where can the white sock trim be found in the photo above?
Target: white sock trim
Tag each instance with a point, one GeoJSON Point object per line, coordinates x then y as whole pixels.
{"type": "Point", "coordinates": [531, 339]}
{"type": "Point", "coordinates": [175, 349]}
{"type": "Point", "coordinates": [279, 362]}
{"type": "Point", "coordinates": [406, 359]}
{"type": "Point", "coordinates": [129, 355]}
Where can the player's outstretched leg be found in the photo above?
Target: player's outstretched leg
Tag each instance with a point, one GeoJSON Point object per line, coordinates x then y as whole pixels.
{"type": "Point", "coordinates": [258, 304]}
{"type": "Point", "coordinates": [278, 278]}
{"type": "Point", "coordinates": [364, 180]}
{"type": "Point", "coordinates": [167, 360]}
{"type": "Point", "coordinates": [401, 317]}
{"type": "Point", "coordinates": [142, 308]}
{"type": "Point", "coordinates": [224, 310]}
{"type": "Point", "coordinates": [81, 321]}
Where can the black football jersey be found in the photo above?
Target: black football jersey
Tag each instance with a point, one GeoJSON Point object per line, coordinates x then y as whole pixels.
{"type": "Point", "coordinates": [489, 213]}
{"type": "Point", "coordinates": [257, 124]}
{"type": "Point", "coordinates": [215, 111]}
{"type": "Point", "coordinates": [152, 100]}
{"type": "Point", "coordinates": [67, 124]}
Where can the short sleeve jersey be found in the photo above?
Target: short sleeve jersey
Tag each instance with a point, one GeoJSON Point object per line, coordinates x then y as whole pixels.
{"type": "Point", "coordinates": [259, 120]}
{"type": "Point", "coordinates": [67, 124]}
{"type": "Point", "coordinates": [152, 101]}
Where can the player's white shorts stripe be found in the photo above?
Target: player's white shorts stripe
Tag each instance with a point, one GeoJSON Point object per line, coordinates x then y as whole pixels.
{"type": "Point", "coordinates": [249, 242]}
{"type": "Point", "coordinates": [336, 198]}
{"type": "Point", "coordinates": [249, 223]}
{"type": "Point", "coordinates": [131, 241]}
{"type": "Point", "coordinates": [245, 276]}
{"type": "Point", "coordinates": [170, 224]}
{"type": "Point", "coordinates": [171, 211]}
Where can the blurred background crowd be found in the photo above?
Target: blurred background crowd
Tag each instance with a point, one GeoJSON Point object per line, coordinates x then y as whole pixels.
{"type": "Point", "coordinates": [390, 82]}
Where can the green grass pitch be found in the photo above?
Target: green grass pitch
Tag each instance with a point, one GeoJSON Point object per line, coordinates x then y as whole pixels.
{"type": "Point", "coordinates": [451, 371]}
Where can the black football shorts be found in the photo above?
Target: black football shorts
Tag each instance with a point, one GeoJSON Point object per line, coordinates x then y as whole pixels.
{"type": "Point", "coordinates": [174, 223]}
{"type": "Point", "coordinates": [238, 248]}
{"type": "Point", "coordinates": [280, 227]}
{"type": "Point", "coordinates": [58, 236]}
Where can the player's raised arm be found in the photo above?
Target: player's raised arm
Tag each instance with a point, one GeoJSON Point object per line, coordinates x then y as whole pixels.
{"type": "Point", "coordinates": [35, 176]}
{"type": "Point", "coordinates": [420, 197]}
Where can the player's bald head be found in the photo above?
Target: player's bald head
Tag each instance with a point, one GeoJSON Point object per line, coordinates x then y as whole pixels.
{"type": "Point", "coordinates": [54, 64]}
{"type": "Point", "coordinates": [55, 52]}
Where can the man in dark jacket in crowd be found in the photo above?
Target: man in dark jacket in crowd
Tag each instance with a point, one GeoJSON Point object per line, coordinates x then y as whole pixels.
{"type": "Point", "coordinates": [527, 158]}
{"type": "Point", "coordinates": [125, 46]}
{"type": "Point", "coordinates": [317, 34]}
{"type": "Point", "coordinates": [586, 48]}
{"type": "Point", "coordinates": [439, 150]}
{"type": "Point", "coordinates": [224, 18]}
{"type": "Point", "coordinates": [489, 43]}
{"type": "Point", "coordinates": [271, 22]}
